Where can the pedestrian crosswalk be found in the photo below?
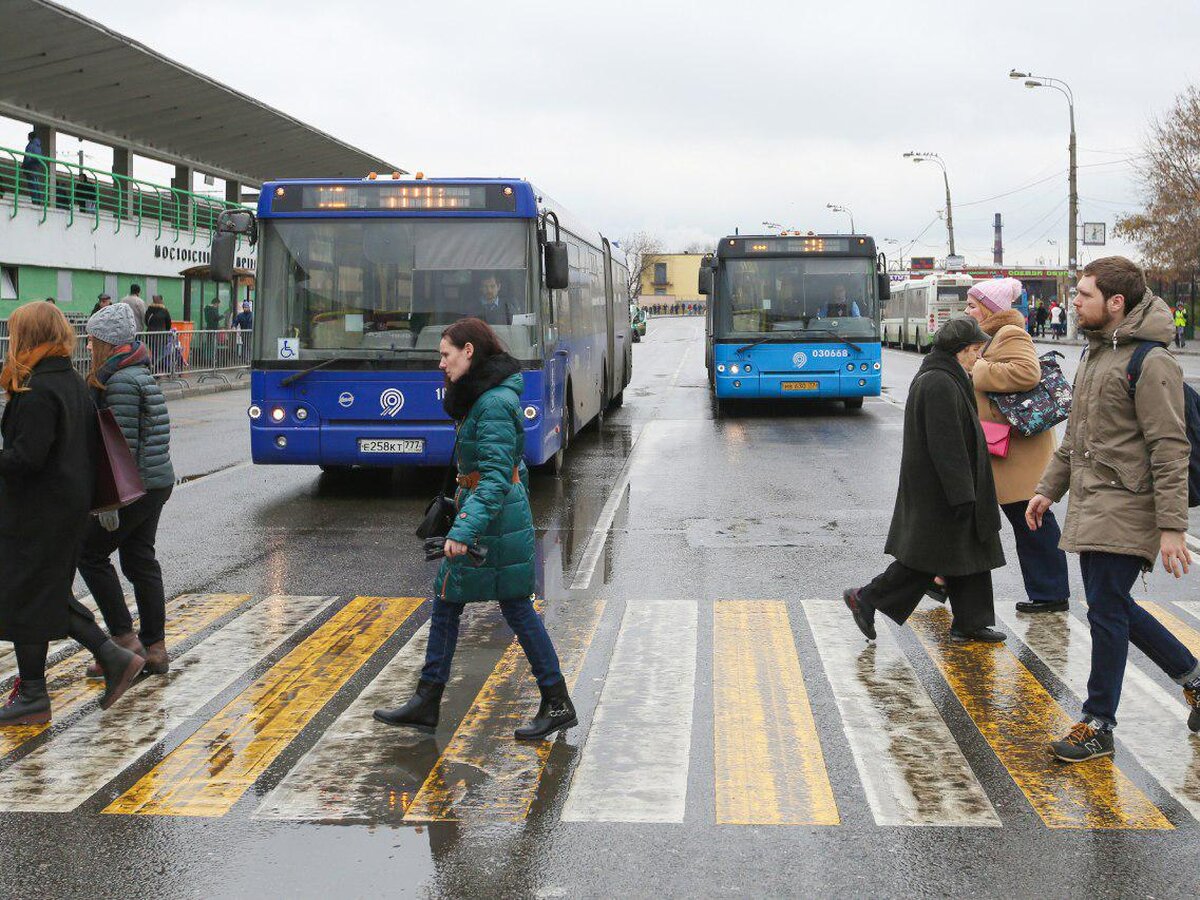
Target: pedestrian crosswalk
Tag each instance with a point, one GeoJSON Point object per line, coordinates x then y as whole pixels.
{"type": "Point", "coordinates": [732, 712]}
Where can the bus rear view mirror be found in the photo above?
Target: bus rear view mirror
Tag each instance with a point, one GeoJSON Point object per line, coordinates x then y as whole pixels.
{"type": "Point", "coordinates": [558, 272]}
{"type": "Point", "coordinates": [885, 286]}
{"type": "Point", "coordinates": [706, 280]}
{"type": "Point", "coordinates": [224, 248]}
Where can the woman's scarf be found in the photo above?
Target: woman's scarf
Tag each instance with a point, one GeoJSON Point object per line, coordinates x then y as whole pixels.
{"type": "Point", "coordinates": [462, 394]}
{"type": "Point", "coordinates": [18, 367]}
{"type": "Point", "coordinates": [135, 354]}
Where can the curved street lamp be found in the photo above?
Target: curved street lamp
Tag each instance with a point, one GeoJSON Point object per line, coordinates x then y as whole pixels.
{"type": "Point", "coordinates": [1037, 81]}
{"type": "Point", "coordinates": [836, 208]}
{"type": "Point", "coordinates": [917, 157]}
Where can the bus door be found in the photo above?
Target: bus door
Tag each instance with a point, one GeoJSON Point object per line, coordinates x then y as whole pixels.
{"type": "Point", "coordinates": [611, 330]}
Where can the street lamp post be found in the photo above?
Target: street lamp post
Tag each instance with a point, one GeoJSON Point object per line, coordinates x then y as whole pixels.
{"type": "Point", "coordinates": [918, 157]}
{"type": "Point", "coordinates": [1057, 250]}
{"type": "Point", "coordinates": [845, 210]}
{"type": "Point", "coordinates": [1037, 81]}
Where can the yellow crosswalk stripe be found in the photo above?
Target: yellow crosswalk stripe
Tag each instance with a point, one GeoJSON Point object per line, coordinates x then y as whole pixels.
{"type": "Point", "coordinates": [484, 774]}
{"type": "Point", "coordinates": [1018, 718]}
{"type": "Point", "coordinates": [211, 770]}
{"type": "Point", "coordinates": [70, 691]}
{"type": "Point", "coordinates": [769, 766]}
{"type": "Point", "coordinates": [1188, 636]}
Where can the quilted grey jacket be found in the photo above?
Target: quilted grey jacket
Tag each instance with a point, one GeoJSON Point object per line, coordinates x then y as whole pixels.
{"type": "Point", "coordinates": [137, 403]}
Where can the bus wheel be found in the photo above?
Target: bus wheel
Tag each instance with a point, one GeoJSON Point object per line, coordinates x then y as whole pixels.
{"type": "Point", "coordinates": [617, 401]}
{"type": "Point", "coordinates": [558, 460]}
{"type": "Point", "coordinates": [853, 402]}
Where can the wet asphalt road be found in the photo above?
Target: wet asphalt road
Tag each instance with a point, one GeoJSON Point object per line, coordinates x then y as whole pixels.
{"type": "Point", "coordinates": [730, 740]}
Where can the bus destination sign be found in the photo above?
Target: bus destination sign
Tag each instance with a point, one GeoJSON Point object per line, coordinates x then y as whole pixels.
{"type": "Point", "coordinates": [378, 196]}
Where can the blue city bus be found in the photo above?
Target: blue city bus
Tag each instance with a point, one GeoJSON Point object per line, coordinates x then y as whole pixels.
{"type": "Point", "coordinates": [795, 317]}
{"type": "Point", "coordinates": [358, 278]}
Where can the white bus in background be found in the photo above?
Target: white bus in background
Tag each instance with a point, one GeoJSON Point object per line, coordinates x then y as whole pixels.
{"type": "Point", "coordinates": [919, 306]}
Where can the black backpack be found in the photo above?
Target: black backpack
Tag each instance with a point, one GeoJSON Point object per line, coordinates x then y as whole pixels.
{"type": "Point", "coordinates": [1191, 409]}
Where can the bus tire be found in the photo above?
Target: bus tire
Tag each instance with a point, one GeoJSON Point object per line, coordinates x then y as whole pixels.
{"type": "Point", "coordinates": [554, 466]}
{"type": "Point", "coordinates": [617, 401]}
{"type": "Point", "coordinates": [853, 403]}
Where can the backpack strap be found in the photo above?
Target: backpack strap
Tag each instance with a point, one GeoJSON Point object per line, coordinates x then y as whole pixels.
{"type": "Point", "coordinates": [1134, 370]}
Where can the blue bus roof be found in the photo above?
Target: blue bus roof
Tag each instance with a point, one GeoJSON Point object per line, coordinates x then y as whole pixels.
{"type": "Point", "coordinates": [524, 198]}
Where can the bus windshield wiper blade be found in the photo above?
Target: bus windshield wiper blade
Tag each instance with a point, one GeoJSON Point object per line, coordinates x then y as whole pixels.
{"type": "Point", "coordinates": [848, 343]}
{"type": "Point", "coordinates": [771, 339]}
{"type": "Point", "coordinates": [325, 363]}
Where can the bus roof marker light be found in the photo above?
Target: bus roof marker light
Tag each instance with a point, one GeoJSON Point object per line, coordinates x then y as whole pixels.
{"type": "Point", "coordinates": [420, 176]}
{"type": "Point", "coordinates": [371, 176]}
{"type": "Point", "coordinates": [395, 176]}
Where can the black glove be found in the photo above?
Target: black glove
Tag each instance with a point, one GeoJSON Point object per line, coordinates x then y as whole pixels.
{"type": "Point", "coordinates": [435, 548]}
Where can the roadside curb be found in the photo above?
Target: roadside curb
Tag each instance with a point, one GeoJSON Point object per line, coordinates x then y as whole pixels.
{"type": "Point", "coordinates": [172, 392]}
{"type": "Point", "coordinates": [1076, 342]}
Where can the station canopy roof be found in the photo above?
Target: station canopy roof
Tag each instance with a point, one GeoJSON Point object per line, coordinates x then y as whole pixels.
{"type": "Point", "coordinates": [62, 69]}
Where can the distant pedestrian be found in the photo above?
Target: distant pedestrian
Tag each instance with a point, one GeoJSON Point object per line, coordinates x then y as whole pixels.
{"type": "Point", "coordinates": [135, 302]}
{"type": "Point", "coordinates": [102, 301]}
{"type": "Point", "coordinates": [1181, 320]}
{"type": "Point", "coordinates": [121, 382]}
{"type": "Point", "coordinates": [244, 323]}
{"type": "Point", "coordinates": [47, 471]}
{"type": "Point", "coordinates": [52, 301]}
{"type": "Point", "coordinates": [1124, 460]}
{"type": "Point", "coordinates": [33, 170]}
{"type": "Point", "coordinates": [212, 315]}
{"type": "Point", "coordinates": [483, 395]}
{"type": "Point", "coordinates": [1057, 317]}
{"type": "Point", "coordinates": [158, 332]}
{"type": "Point", "coordinates": [1042, 315]}
{"type": "Point", "coordinates": [1008, 365]}
{"type": "Point", "coordinates": [946, 518]}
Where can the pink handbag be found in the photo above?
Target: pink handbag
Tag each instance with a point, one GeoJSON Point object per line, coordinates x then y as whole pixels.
{"type": "Point", "coordinates": [997, 435]}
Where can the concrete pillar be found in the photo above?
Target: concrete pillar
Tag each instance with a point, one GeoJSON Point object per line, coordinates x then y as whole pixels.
{"type": "Point", "coordinates": [122, 164]}
{"type": "Point", "coordinates": [49, 139]}
{"type": "Point", "coordinates": [183, 182]}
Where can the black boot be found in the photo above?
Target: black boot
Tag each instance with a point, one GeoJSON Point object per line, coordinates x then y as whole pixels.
{"type": "Point", "coordinates": [28, 704]}
{"type": "Point", "coordinates": [556, 713]}
{"type": "Point", "coordinates": [421, 712]}
{"type": "Point", "coordinates": [121, 668]}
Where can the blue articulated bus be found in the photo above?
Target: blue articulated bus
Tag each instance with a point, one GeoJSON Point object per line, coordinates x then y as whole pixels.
{"type": "Point", "coordinates": [358, 278]}
{"type": "Point", "coordinates": [794, 316]}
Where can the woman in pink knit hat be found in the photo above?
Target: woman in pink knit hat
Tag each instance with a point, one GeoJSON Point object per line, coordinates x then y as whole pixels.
{"type": "Point", "coordinates": [1009, 364]}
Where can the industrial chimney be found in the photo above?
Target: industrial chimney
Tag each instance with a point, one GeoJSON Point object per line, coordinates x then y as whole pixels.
{"type": "Point", "coordinates": [998, 246]}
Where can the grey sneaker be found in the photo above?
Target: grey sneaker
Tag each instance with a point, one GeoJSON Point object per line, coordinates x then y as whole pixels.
{"type": "Point", "coordinates": [1084, 741]}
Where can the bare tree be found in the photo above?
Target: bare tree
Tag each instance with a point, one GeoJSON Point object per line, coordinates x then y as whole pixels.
{"type": "Point", "coordinates": [700, 247]}
{"type": "Point", "coordinates": [1167, 230]}
{"type": "Point", "coordinates": [640, 249]}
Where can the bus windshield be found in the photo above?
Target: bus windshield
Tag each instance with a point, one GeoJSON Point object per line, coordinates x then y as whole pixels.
{"type": "Point", "coordinates": [385, 288]}
{"type": "Point", "coordinates": [761, 296]}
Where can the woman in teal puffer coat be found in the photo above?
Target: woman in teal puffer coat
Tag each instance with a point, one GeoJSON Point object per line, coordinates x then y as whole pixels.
{"type": "Point", "coordinates": [121, 381]}
{"type": "Point", "coordinates": [483, 396]}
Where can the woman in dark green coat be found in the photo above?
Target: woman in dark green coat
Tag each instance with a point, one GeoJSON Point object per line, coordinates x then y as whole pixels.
{"type": "Point", "coordinates": [483, 396]}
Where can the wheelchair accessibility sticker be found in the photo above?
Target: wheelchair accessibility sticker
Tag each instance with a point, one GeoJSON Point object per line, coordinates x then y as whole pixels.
{"type": "Point", "coordinates": [289, 348]}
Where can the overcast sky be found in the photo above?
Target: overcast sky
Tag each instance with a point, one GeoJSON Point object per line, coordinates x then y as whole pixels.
{"type": "Point", "coordinates": [687, 120]}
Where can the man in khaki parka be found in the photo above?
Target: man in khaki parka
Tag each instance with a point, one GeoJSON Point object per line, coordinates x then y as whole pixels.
{"type": "Point", "coordinates": [1125, 462]}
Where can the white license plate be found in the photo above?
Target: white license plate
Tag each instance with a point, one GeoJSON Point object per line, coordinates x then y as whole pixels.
{"type": "Point", "coordinates": [387, 445]}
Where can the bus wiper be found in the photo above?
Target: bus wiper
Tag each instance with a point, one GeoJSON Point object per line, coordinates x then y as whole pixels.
{"type": "Point", "coordinates": [325, 363]}
{"type": "Point", "coordinates": [838, 336]}
{"type": "Point", "coordinates": [772, 339]}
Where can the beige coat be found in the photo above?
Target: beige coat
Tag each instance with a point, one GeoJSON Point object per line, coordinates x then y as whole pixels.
{"type": "Point", "coordinates": [1009, 365]}
{"type": "Point", "coordinates": [1124, 460]}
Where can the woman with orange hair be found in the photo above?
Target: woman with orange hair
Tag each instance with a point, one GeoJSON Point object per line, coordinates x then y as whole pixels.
{"type": "Point", "coordinates": [47, 472]}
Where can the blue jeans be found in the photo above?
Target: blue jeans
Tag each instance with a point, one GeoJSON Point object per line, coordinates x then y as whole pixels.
{"type": "Point", "coordinates": [522, 618]}
{"type": "Point", "coordinates": [1043, 565]}
{"type": "Point", "coordinates": [1116, 620]}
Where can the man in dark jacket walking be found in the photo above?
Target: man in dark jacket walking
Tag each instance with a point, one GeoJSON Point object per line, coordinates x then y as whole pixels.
{"type": "Point", "coordinates": [946, 518]}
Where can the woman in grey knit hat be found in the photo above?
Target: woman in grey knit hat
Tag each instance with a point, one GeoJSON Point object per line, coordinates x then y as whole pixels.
{"type": "Point", "coordinates": [121, 381]}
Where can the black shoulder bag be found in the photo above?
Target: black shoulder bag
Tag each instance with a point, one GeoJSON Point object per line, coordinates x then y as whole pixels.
{"type": "Point", "coordinates": [439, 514]}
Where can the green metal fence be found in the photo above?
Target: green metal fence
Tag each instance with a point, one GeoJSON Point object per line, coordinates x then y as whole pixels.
{"type": "Point", "coordinates": [100, 198]}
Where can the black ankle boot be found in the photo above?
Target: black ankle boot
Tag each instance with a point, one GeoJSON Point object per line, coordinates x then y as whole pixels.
{"type": "Point", "coordinates": [556, 713]}
{"type": "Point", "coordinates": [421, 712]}
{"type": "Point", "coordinates": [28, 704]}
{"type": "Point", "coordinates": [121, 668]}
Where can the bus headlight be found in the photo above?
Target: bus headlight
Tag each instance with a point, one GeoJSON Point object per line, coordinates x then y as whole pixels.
{"type": "Point", "coordinates": [281, 442]}
{"type": "Point", "coordinates": [876, 367]}
{"type": "Point", "coordinates": [862, 382]}
{"type": "Point", "coordinates": [737, 384]}
{"type": "Point", "coordinates": [863, 367]}
{"type": "Point", "coordinates": [849, 367]}
{"type": "Point", "coordinates": [746, 367]}
{"type": "Point", "coordinates": [301, 413]}
{"type": "Point", "coordinates": [277, 414]}
{"type": "Point", "coordinates": [531, 413]}
{"type": "Point", "coordinates": [721, 367]}
{"type": "Point", "coordinates": [254, 412]}
{"type": "Point", "coordinates": [733, 369]}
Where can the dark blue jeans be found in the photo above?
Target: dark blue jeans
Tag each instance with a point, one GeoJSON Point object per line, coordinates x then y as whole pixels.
{"type": "Point", "coordinates": [1043, 565]}
{"type": "Point", "coordinates": [1116, 620]}
{"type": "Point", "coordinates": [522, 618]}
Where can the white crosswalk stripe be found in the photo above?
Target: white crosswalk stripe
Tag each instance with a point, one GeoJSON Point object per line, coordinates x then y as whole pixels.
{"type": "Point", "coordinates": [634, 766]}
{"type": "Point", "coordinates": [75, 764]}
{"type": "Point", "coordinates": [912, 770]}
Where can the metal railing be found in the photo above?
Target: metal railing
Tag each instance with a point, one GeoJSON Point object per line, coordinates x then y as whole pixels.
{"type": "Point", "coordinates": [219, 355]}
{"type": "Point", "coordinates": [97, 197]}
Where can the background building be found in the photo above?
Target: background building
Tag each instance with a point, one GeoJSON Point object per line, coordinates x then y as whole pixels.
{"type": "Point", "coordinates": [671, 278]}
